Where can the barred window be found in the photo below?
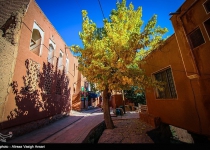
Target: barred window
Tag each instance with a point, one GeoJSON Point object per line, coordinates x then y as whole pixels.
{"type": "Point", "coordinates": [207, 26]}
{"type": "Point", "coordinates": [196, 38]}
{"type": "Point", "coordinates": [207, 6]}
{"type": "Point", "coordinates": [169, 88]}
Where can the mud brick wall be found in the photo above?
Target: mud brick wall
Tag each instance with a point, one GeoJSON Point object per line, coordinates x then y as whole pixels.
{"type": "Point", "coordinates": [11, 13]}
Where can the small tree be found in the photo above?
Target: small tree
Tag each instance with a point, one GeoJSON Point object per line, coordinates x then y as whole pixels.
{"type": "Point", "coordinates": [134, 97]}
{"type": "Point", "coordinates": [112, 55]}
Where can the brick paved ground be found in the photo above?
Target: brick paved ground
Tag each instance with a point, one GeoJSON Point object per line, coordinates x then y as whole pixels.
{"type": "Point", "coordinates": [127, 131]}
{"type": "Point", "coordinates": [77, 127]}
{"type": "Point", "coordinates": [71, 129]}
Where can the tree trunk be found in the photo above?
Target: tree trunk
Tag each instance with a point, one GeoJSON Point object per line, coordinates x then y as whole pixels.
{"type": "Point", "coordinates": [107, 117]}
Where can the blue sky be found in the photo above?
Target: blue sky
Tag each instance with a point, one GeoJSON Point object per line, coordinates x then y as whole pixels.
{"type": "Point", "coordinates": [66, 16]}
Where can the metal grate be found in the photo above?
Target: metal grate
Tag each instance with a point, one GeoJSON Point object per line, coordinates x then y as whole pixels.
{"type": "Point", "coordinates": [207, 26]}
{"type": "Point", "coordinates": [196, 38]}
{"type": "Point", "coordinates": [171, 83]}
{"type": "Point", "coordinates": [169, 88]}
{"type": "Point", "coordinates": [207, 6]}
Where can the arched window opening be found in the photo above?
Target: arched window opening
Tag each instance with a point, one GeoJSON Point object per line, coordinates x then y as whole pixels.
{"type": "Point", "coordinates": [50, 54]}
{"type": "Point", "coordinates": [35, 42]}
{"type": "Point", "coordinates": [60, 61]}
{"type": "Point", "coordinates": [36, 39]}
{"type": "Point", "coordinates": [67, 65]}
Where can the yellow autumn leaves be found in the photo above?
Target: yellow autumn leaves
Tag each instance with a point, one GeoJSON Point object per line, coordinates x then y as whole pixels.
{"type": "Point", "coordinates": [112, 55]}
{"type": "Point", "coordinates": [126, 80]}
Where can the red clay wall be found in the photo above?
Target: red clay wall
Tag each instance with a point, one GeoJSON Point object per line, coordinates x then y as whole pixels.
{"type": "Point", "coordinates": [180, 111]}
{"type": "Point", "coordinates": [23, 107]}
{"type": "Point", "coordinates": [184, 24]}
{"type": "Point", "coordinates": [190, 70]}
{"type": "Point", "coordinates": [117, 100]}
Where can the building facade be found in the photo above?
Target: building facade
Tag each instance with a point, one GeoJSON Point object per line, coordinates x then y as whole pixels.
{"type": "Point", "coordinates": [39, 80]}
{"type": "Point", "coordinates": [183, 64]}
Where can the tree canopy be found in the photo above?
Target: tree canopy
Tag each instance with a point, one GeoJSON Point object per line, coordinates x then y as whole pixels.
{"type": "Point", "coordinates": [112, 55]}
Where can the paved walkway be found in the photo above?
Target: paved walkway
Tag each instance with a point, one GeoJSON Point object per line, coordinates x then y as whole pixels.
{"type": "Point", "coordinates": [71, 129]}
{"type": "Point", "coordinates": [76, 127]}
{"type": "Point", "coordinates": [128, 129]}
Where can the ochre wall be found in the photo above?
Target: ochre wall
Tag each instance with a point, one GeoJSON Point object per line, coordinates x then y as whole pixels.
{"type": "Point", "coordinates": [190, 71]}
{"type": "Point", "coordinates": [185, 23]}
{"type": "Point", "coordinates": [181, 111]}
{"type": "Point", "coordinates": [117, 100]}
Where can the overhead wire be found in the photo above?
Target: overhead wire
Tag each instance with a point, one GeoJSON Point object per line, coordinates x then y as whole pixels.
{"type": "Point", "coordinates": [99, 5]}
{"type": "Point", "coordinates": [101, 9]}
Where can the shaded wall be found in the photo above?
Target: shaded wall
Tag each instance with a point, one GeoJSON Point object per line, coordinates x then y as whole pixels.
{"type": "Point", "coordinates": [23, 104]}
{"type": "Point", "coordinates": [192, 16]}
{"type": "Point", "coordinates": [190, 71]}
{"type": "Point", "coordinates": [76, 99]}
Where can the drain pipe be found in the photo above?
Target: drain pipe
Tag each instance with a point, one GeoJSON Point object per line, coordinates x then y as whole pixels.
{"type": "Point", "coordinates": [194, 61]}
{"type": "Point", "coordinates": [196, 75]}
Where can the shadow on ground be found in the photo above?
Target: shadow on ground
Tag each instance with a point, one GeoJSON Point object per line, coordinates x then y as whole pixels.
{"type": "Point", "coordinates": [157, 136]}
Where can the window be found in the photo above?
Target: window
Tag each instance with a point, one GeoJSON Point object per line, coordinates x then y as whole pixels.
{"type": "Point", "coordinates": [35, 42]}
{"type": "Point", "coordinates": [50, 57]}
{"type": "Point", "coordinates": [207, 6]}
{"type": "Point", "coordinates": [196, 38]}
{"type": "Point", "coordinates": [36, 39]}
{"type": "Point", "coordinates": [169, 88]}
{"type": "Point", "coordinates": [67, 65]}
{"type": "Point", "coordinates": [60, 60]}
{"type": "Point", "coordinates": [207, 26]}
{"type": "Point", "coordinates": [74, 85]}
{"type": "Point", "coordinates": [50, 54]}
